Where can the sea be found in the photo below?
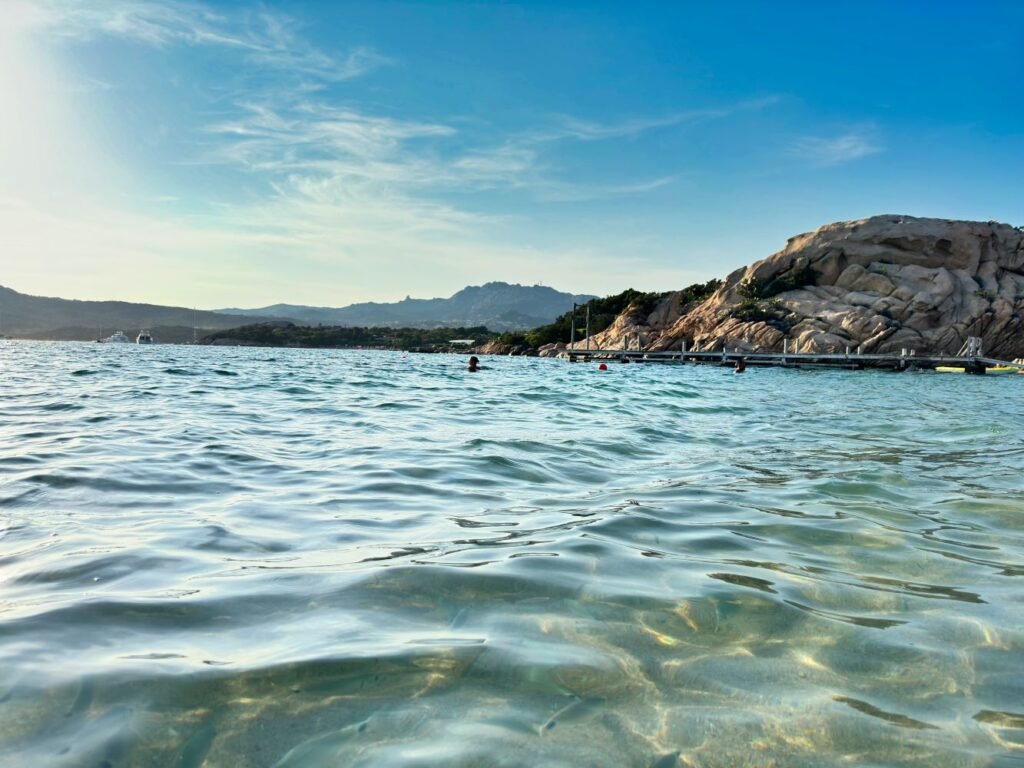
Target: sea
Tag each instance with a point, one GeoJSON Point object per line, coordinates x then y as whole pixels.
{"type": "Point", "coordinates": [215, 556]}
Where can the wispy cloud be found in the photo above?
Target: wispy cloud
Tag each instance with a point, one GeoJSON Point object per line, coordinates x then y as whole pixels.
{"type": "Point", "coordinates": [154, 23]}
{"type": "Point", "coordinates": [266, 38]}
{"type": "Point", "coordinates": [840, 149]}
{"type": "Point", "coordinates": [585, 130]}
{"type": "Point", "coordinates": [300, 141]}
{"type": "Point", "coordinates": [508, 165]}
{"type": "Point", "coordinates": [296, 136]}
{"type": "Point", "coordinates": [558, 192]}
{"type": "Point", "coordinates": [338, 189]}
{"type": "Point", "coordinates": [330, 154]}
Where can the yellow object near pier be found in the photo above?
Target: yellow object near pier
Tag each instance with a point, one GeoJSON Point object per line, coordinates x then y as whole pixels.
{"type": "Point", "coordinates": [994, 369]}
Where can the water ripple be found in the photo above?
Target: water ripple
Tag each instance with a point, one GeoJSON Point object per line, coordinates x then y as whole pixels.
{"type": "Point", "coordinates": [219, 556]}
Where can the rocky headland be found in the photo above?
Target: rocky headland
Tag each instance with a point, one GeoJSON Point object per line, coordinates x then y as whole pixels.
{"type": "Point", "coordinates": [880, 284]}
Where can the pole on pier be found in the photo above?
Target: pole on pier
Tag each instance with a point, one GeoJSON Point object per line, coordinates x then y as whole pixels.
{"type": "Point", "coordinates": [588, 326]}
{"type": "Point", "coordinates": [572, 328]}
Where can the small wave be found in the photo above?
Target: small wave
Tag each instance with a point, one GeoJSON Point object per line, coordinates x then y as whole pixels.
{"type": "Point", "coordinates": [319, 564]}
{"type": "Point", "coordinates": [902, 721]}
{"type": "Point", "coordinates": [153, 656]}
{"type": "Point", "coordinates": [860, 621]}
{"type": "Point", "coordinates": [738, 579]}
{"type": "Point", "coordinates": [1001, 719]}
{"type": "Point", "coordinates": [54, 480]}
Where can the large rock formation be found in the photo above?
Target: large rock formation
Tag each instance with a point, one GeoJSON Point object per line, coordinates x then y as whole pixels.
{"type": "Point", "coordinates": [634, 329]}
{"type": "Point", "coordinates": [882, 284]}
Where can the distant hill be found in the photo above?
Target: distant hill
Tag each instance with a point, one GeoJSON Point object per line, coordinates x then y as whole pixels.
{"type": "Point", "coordinates": [282, 333]}
{"type": "Point", "coordinates": [38, 317]}
{"type": "Point", "coordinates": [498, 306]}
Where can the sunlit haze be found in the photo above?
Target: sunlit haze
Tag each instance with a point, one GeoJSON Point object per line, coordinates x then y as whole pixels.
{"type": "Point", "coordinates": [241, 154]}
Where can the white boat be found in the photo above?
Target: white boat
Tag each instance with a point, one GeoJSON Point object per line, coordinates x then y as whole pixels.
{"type": "Point", "coordinates": [117, 338]}
{"type": "Point", "coordinates": [144, 337]}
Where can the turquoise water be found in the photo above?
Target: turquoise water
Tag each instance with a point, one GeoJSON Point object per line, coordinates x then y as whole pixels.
{"type": "Point", "coordinates": [253, 557]}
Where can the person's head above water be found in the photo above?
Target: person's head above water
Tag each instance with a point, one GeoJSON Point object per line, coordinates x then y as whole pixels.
{"type": "Point", "coordinates": [474, 363]}
{"type": "Point", "coordinates": [741, 366]}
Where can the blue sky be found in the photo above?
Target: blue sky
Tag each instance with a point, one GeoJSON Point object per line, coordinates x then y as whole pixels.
{"type": "Point", "coordinates": [240, 154]}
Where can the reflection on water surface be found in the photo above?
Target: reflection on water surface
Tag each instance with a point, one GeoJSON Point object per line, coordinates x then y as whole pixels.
{"type": "Point", "coordinates": [243, 557]}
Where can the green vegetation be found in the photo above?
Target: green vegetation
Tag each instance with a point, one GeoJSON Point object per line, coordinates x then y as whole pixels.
{"type": "Point", "coordinates": [698, 292]}
{"type": "Point", "coordinates": [603, 313]}
{"type": "Point", "coordinates": [291, 335]}
{"type": "Point", "coordinates": [774, 313]}
{"type": "Point", "coordinates": [754, 289]}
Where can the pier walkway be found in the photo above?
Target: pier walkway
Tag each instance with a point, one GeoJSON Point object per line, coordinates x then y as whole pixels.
{"type": "Point", "coordinates": [975, 364]}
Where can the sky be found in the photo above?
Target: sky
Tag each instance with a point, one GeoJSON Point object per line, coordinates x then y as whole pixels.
{"type": "Point", "coordinates": [223, 153]}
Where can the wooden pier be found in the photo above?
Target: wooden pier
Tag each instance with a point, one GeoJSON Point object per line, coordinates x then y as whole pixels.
{"type": "Point", "coordinates": [975, 364]}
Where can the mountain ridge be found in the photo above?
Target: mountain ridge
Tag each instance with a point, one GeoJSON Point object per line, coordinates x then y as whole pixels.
{"type": "Point", "coordinates": [498, 305]}
{"type": "Point", "coordinates": [23, 315]}
{"type": "Point", "coordinates": [501, 305]}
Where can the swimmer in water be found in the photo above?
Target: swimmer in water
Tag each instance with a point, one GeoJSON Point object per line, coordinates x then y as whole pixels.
{"type": "Point", "coordinates": [474, 364]}
{"type": "Point", "coordinates": [740, 366]}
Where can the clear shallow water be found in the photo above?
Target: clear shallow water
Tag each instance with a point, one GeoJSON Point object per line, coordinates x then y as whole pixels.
{"type": "Point", "coordinates": [253, 557]}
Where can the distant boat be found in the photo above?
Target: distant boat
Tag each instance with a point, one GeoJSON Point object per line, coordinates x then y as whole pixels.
{"type": "Point", "coordinates": [117, 338]}
{"type": "Point", "coordinates": [144, 337]}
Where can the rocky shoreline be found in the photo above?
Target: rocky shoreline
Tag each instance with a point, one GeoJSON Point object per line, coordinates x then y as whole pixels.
{"type": "Point", "coordinates": [880, 285]}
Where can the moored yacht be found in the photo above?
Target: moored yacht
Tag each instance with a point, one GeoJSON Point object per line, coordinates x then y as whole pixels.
{"type": "Point", "coordinates": [117, 338]}
{"type": "Point", "coordinates": [144, 337]}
